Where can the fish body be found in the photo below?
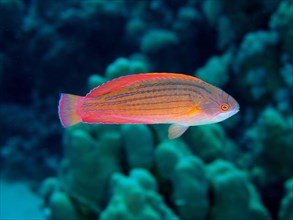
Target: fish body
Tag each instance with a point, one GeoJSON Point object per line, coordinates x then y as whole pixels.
{"type": "Point", "coordinates": [151, 98]}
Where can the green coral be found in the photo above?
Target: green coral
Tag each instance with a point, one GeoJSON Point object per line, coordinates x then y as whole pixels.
{"type": "Point", "coordinates": [135, 197]}
{"type": "Point", "coordinates": [123, 66]}
{"type": "Point", "coordinates": [11, 13]}
{"type": "Point", "coordinates": [190, 189]}
{"type": "Point", "coordinates": [209, 142]}
{"type": "Point", "coordinates": [257, 62]}
{"type": "Point", "coordinates": [234, 197]}
{"type": "Point", "coordinates": [231, 19]}
{"type": "Point", "coordinates": [216, 70]}
{"type": "Point", "coordinates": [281, 21]}
{"type": "Point", "coordinates": [62, 207]}
{"type": "Point", "coordinates": [92, 155]}
{"type": "Point", "coordinates": [270, 139]}
{"type": "Point", "coordinates": [95, 80]}
{"type": "Point", "coordinates": [256, 49]}
{"type": "Point", "coordinates": [139, 146]}
{"type": "Point", "coordinates": [157, 40]}
{"type": "Point", "coordinates": [286, 207]}
{"type": "Point", "coordinates": [168, 154]}
{"type": "Point", "coordinates": [187, 176]}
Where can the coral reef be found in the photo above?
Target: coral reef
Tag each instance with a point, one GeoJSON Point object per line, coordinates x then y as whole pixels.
{"type": "Point", "coordinates": [286, 210]}
{"type": "Point", "coordinates": [195, 190]}
{"type": "Point", "coordinates": [135, 197]}
{"type": "Point", "coordinates": [123, 66]}
{"type": "Point", "coordinates": [215, 70]}
{"type": "Point", "coordinates": [269, 138]}
{"type": "Point", "coordinates": [91, 157]}
{"type": "Point", "coordinates": [231, 188]}
{"type": "Point", "coordinates": [281, 21]}
{"type": "Point", "coordinates": [210, 142]}
{"type": "Point", "coordinates": [139, 151]}
{"type": "Point", "coordinates": [232, 170]}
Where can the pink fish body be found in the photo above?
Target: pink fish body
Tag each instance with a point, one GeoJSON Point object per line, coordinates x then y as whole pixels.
{"type": "Point", "coordinates": [151, 98]}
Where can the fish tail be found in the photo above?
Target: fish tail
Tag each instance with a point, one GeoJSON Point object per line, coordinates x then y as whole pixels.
{"type": "Point", "coordinates": [68, 109]}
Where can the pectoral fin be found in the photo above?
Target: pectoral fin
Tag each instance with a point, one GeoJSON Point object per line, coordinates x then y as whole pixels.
{"type": "Point", "coordinates": [176, 130]}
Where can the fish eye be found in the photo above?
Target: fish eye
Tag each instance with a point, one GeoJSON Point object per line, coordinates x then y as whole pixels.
{"type": "Point", "coordinates": [224, 107]}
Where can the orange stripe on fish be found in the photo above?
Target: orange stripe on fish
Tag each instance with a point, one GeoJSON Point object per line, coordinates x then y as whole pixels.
{"type": "Point", "coordinates": [150, 98]}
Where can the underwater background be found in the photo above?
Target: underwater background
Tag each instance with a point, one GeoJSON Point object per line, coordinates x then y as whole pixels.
{"type": "Point", "coordinates": [239, 169]}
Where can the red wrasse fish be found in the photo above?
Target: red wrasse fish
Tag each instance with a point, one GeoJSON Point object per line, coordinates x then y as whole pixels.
{"type": "Point", "coordinates": [150, 98]}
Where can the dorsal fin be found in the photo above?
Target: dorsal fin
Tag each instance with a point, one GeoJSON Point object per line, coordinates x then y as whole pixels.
{"type": "Point", "coordinates": [123, 81]}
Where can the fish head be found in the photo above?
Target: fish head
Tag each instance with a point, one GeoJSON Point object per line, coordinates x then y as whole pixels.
{"type": "Point", "coordinates": [220, 107]}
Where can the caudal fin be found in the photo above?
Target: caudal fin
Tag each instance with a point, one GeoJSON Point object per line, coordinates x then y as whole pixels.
{"type": "Point", "coordinates": [68, 109]}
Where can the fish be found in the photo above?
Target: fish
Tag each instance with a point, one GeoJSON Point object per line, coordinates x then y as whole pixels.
{"type": "Point", "coordinates": [150, 98]}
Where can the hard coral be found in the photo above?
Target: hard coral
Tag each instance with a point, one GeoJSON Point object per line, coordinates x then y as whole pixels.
{"type": "Point", "coordinates": [187, 176]}
{"type": "Point", "coordinates": [208, 142]}
{"type": "Point", "coordinates": [272, 138]}
{"type": "Point", "coordinates": [91, 157]}
{"type": "Point", "coordinates": [138, 146]}
{"type": "Point", "coordinates": [286, 209]}
{"type": "Point", "coordinates": [135, 197]}
{"type": "Point", "coordinates": [123, 66]}
{"type": "Point", "coordinates": [281, 21]}
{"type": "Point", "coordinates": [158, 40]}
{"type": "Point", "coordinates": [233, 196]}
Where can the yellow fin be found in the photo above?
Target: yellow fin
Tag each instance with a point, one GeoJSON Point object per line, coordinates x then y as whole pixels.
{"type": "Point", "coordinates": [176, 130]}
{"type": "Point", "coordinates": [193, 111]}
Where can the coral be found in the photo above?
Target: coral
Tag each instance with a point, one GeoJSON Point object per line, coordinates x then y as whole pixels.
{"type": "Point", "coordinates": [257, 210]}
{"type": "Point", "coordinates": [286, 208]}
{"type": "Point", "coordinates": [187, 175]}
{"type": "Point", "coordinates": [225, 34]}
{"type": "Point", "coordinates": [258, 64]}
{"type": "Point", "coordinates": [209, 142]}
{"type": "Point", "coordinates": [233, 19]}
{"type": "Point", "coordinates": [157, 40]}
{"type": "Point", "coordinates": [135, 197]}
{"type": "Point", "coordinates": [122, 66]}
{"type": "Point", "coordinates": [216, 70]}
{"type": "Point", "coordinates": [287, 74]}
{"type": "Point", "coordinates": [186, 19]}
{"type": "Point", "coordinates": [254, 49]}
{"type": "Point", "coordinates": [61, 207]}
{"type": "Point", "coordinates": [95, 80]}
{"type": "Point", "coordinates": [211, 9]}
{"type": "Point", "coordinates": [268, 138]}
{"type": "Point", "coordinates": [92, 155]}
{"type": "Point", "coordinates": [281, 21]}
{"type": "Point", "coordinates": [168, 154]}
{"type": "Point", "coordinates": [58, 205]}
{"type": "Point", "coordinates": [11, 13]}
{"type": "Point", "coordinates": [135, 29]}
{"type": "Point", "coordinates": [139, 151]}
{"type": "Point", "coordinates": [231, 188]}
{"type": "Point", "coordinates": [190, 189]}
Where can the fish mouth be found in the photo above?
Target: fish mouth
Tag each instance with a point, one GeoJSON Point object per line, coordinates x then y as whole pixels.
{"type": "Point", "coordinates": [236, 109]}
